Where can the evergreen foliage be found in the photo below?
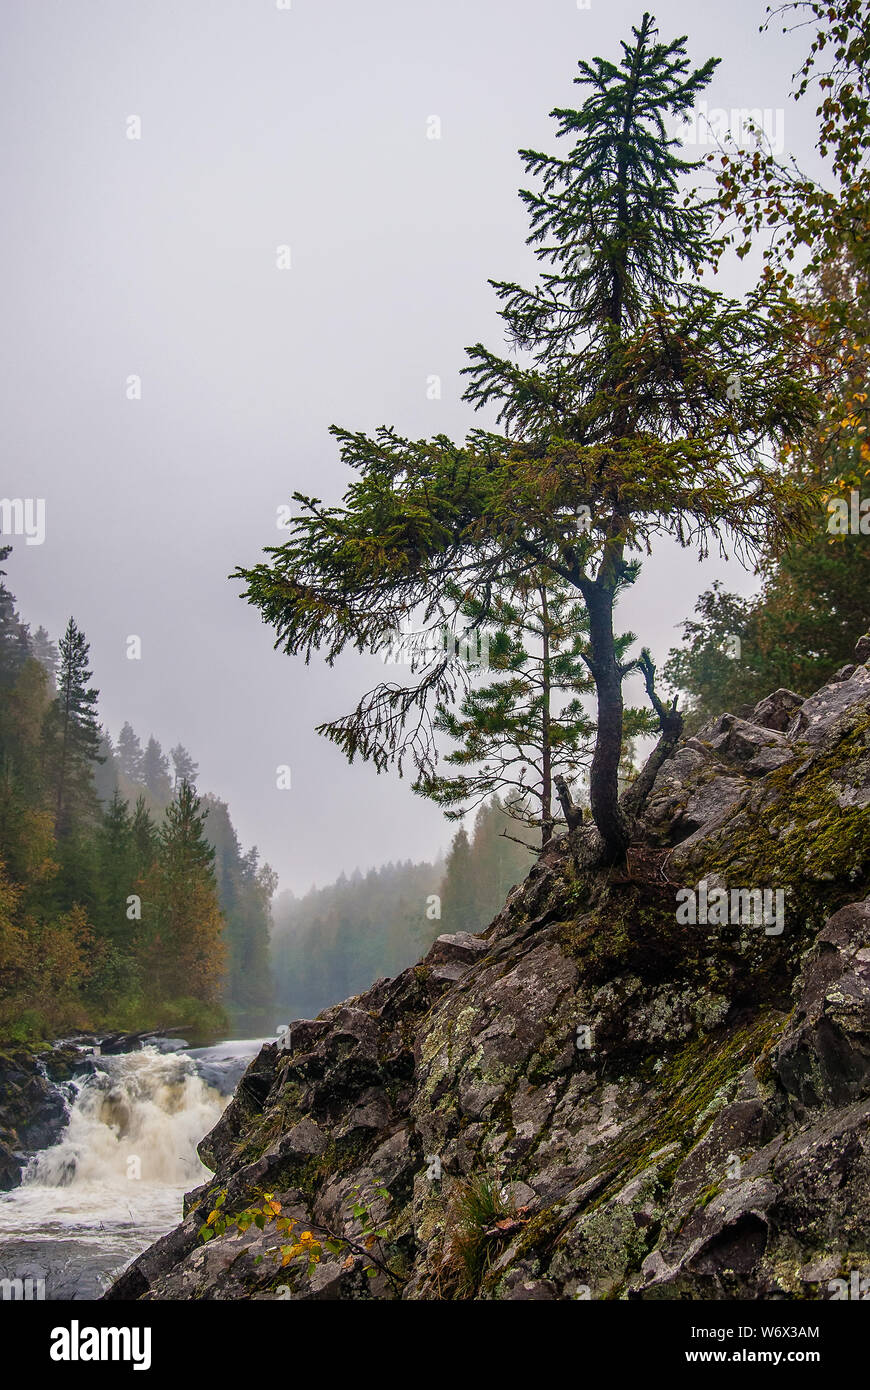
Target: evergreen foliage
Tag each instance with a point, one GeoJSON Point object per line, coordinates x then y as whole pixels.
{"type": "Point", "coordinates": [116, 907]}
{"type": "Point", "coordinates": [812, 606]}
{"type": "Point", "coordinates": [639, 404]}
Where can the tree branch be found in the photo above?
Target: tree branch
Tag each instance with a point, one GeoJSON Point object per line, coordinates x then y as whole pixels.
{"type": "Point", "coordinates": [573, 813]}
{"type": "Point", "coordinates": [670, 720]}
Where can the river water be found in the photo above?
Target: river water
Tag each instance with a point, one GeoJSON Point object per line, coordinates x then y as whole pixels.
{"type": "Point", "coordinates": [115, 1181]}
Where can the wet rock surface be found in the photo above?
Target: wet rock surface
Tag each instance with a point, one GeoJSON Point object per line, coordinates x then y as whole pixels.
{"type": "Point", "coordinates": [33, 1106]}
{"type": "Point", "coordinates": [668, 1109]}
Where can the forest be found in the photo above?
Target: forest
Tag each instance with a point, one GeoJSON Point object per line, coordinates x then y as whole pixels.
{"type": "Point", "coordinates": [335, 941]}
{"type": "Point", "coordinates": [126, 901]}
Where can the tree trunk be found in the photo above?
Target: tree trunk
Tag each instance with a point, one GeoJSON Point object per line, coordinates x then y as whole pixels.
{"type": "Point", "coordinates": [635, 795]}
{"type": "Point", "coordinates": [604, 780]}
{"type": "Point", "coordinates": [546, 741]}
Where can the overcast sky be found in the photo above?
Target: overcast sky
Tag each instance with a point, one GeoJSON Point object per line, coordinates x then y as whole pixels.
{"type": "Point", "coordinates": [157, 257]}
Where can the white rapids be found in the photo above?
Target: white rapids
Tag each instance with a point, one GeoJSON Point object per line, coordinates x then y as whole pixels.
{"type": "Point", "coordinates": [114, 1182]}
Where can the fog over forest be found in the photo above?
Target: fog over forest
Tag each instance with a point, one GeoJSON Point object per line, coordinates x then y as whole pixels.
{"type": "Point", "coordinates": [156, 257]}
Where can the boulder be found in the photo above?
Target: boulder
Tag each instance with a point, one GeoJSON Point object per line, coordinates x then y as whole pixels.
{"type": "Point", "coordinates": [777, 710]}
{"type": "Point", "coordinates": [614, 1102]}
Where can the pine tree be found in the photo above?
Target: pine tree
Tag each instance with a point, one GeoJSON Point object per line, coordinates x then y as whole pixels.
{"type": "Point", "coordinates": [73, 730]}
{"type": "Point", "coordinates": [155, 772]}
{"type": "Point", "coordinates": [45, 652]}
{"type": "Point", "coordinates": [184, 951]}
{"type": "Point", "coordinates": [640, 404]}
{"type": "Point", "coordinates": [186, 770]}
{"type": "Point", "coordinates": [14, 649]}
{"type": "Point", "coordinates": [460, 910]}
{"type": "Point", "coordinates": [130, 754]}
{"type": "Point", "coordinates": [527, 728]}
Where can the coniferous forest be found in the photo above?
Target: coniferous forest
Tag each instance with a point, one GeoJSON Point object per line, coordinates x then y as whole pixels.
{"type": "Point", "coordinates": [126, 901]}
{"type": "Point", "coordinates": [335, 941]}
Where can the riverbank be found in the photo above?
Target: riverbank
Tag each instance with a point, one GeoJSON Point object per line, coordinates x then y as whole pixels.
{"type": "Point", "coordinates": [33, 1111]}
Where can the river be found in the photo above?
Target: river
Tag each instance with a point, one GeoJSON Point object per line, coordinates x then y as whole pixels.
{"type": "Point", "coordinates": [115, 1180]}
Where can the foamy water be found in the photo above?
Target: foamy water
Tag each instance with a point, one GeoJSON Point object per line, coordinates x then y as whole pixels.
{"type": "Point", "coordinates": [115, 1181]}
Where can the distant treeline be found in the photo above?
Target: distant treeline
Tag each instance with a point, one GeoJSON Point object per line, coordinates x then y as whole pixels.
{"type": "Point", "coordinates": [334, 941]}
{"type": "Point", "coordinates": [125, 898]}
{"type": "Point", "coordinates": [127, 902]}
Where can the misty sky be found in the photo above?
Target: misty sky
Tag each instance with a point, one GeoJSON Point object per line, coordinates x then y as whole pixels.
{"type": "Point", "coordinates": [264, 127]}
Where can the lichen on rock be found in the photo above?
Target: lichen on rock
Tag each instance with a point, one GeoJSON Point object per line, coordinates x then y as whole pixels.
{"type": "Point", "coordinates": [669, 1110]}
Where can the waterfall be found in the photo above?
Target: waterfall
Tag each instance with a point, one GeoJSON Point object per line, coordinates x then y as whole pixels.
{"type": "Point", "coordinates": [115, 1180]}
{"type": "Point", "coordinates": [138, 1119]}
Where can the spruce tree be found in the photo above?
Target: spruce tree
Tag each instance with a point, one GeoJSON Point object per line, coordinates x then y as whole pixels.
{"type": "Point", "coordinates": [185, 769]}
{"type": "Point", "coordinates": [130, 754]}
{"type": "Point", "coordinates": [106, 770]}
{"type": "Point", "coordinates": [245, 889]}
{"type": "Point", "coordinates": [14, 649]}
{"type": "Point", "coordinates": [155, 772]}
{"type": "Point", "coordinates": [640, 404]}
{"type": "Point", "coordinates": [184, 947]}
{"type": "Point", "coordinates": [460, 909]}
{"type": "Point", "coordinates": [500, 856]}
{"type": "Point", "coordinates": [145, 837]}
{"type": "Point", "coordinates": [45, 652]}
{"type": "Point", "coordinates": [119, 867]}
{"type": "Point", "coordinates": [73, 730]}
{"type": "Point", "coordinates": [26, 798]}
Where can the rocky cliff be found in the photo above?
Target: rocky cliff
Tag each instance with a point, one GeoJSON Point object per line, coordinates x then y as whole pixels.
{"type": "Point", "coordinates": [611, 1093]}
